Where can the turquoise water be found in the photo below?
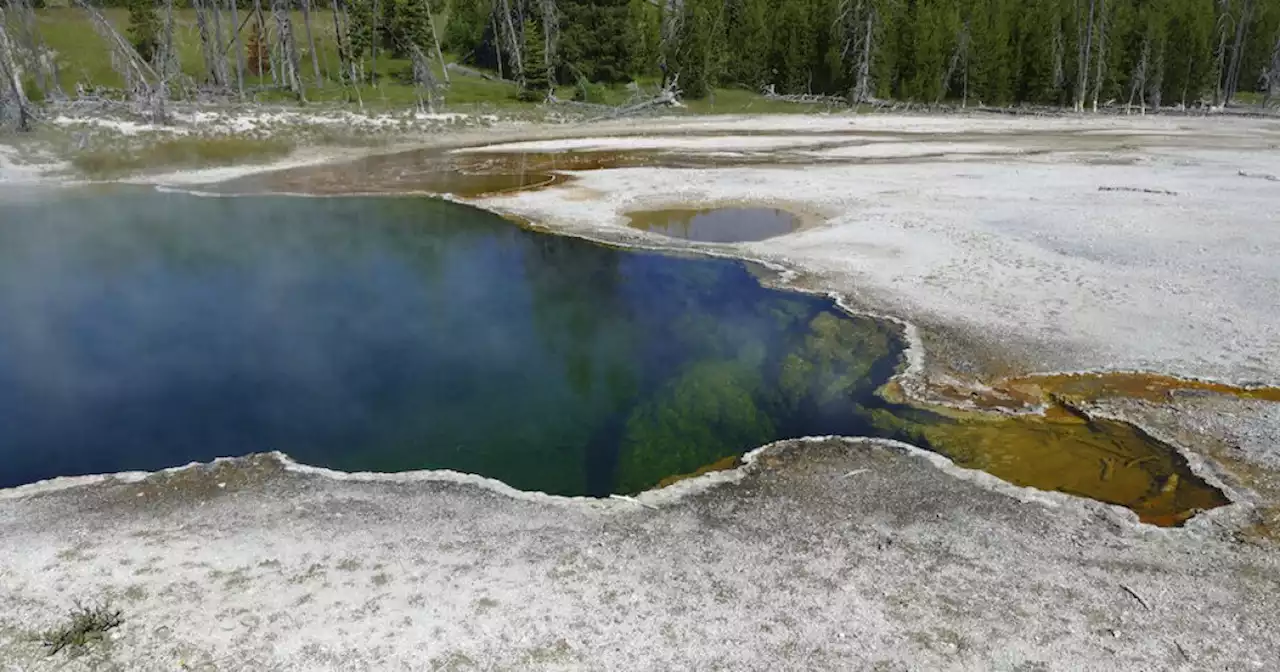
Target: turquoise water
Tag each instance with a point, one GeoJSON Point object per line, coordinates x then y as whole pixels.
{"type": "Point", "coordinates": [142, 330]}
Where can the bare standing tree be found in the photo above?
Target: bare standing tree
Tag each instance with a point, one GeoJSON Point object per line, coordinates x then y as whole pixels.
{"type": "Point", "coordinates": [1138, 78]}
{"type": "Point", "coordinates": [1102, 52]}
{"type": "Point", "coordinates": [669, 37]}
{"type": "Point", "coordinates": [1223, 24]}
{"type": "Point", "coordinates": [262, 35]}
{"type": "Point", "coordinates": [235, 44]}
{"type": "Point", "coordinates": [959, 59]}
{"type": "Point", "coordinates": [1155, 78]}
{"type": "Point", "coordinates": [435, 40]}
{"type": "Point", "coordinates": [147, 89]}
{"type": "Point", "coordinates": [288, 50]}
{"type": "Point", "coordinates": [1271, 79]}
{"type": "Point", "coordinates": [1059, 57]}
{"type": "Point", "coordinates": [219, 50]}
{"type": "Point", "coordinates": [373, 45]}
{"type": "Point", "coordinates": [424, 83]}
{"type": "Point", "coordinates": [514, 38]}
{"type": "Point", "coordinates": [497, 41]}
{"type": "Point", "coordinates": [311, 41]}
{"type": "Point", "coordinates": [1237, 50]}
{"type": "Point", "coordinates": [1083, 54]}
{"type": "Point", "coordinates": [550, 36]}
{"type": "Point", "coordinates": [856, 21]}
{"type": "Point", "coordinates": [350, 75]}
{"type": "Point", "coordinates": [210, 46]}
{"type": "Point", "coordinates": [30, 48]}
{"type": "Point", "coordinates": [12, 94]}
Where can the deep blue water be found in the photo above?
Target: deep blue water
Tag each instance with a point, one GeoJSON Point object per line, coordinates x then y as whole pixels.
{"type": "Point", "coordinates": [141, 330]}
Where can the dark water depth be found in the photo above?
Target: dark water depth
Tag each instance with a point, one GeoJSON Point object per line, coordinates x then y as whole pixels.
{"type": "Point", "coordinates": [141, 330]}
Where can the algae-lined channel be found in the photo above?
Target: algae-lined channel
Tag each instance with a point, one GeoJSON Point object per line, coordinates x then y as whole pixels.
{"type": "Point", "coordinates": [141, 330]}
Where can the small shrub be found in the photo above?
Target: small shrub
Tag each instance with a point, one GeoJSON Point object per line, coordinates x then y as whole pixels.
{"type": "Point", "coordinates": [85, 624]}
{"type": "Point", "coordinates": [587, 92]}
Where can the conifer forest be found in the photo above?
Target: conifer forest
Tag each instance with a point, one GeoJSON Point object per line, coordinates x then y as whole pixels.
{"type": "Point", "coordinates": [1072, 54]}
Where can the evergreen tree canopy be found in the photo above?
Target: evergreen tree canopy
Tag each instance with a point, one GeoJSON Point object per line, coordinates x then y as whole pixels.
{"type": "Point", "coordinates": [993, 52]}
{"type": "Point", "coordinates": [144, 28]}
{"type": "Point", "coordinates": [537, 80]}
{"type": "Point", "coordinates": [596, 39]}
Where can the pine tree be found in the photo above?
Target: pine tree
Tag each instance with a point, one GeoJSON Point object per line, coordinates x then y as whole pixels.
{"type": "Point", "coordinates": [595, 41]}
{"type": "Point", "coordinates": [405, 23]}
{"type": "Point", "coordinates": [537, 79]}
{"type": "Point", "coordinates": [464, 32]}
{"type": "Point", "coordinates": [144, 28]}
{"type": "Point", "coordinates": [793, 48]}
{"type": "Point", "coordinates": [362, 34]}
{"type": "Point", "coordinates": [699, 53]}
{"type": "Point", "coordinates": [749, 44]}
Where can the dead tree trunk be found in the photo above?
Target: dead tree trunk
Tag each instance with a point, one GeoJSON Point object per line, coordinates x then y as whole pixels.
{"type": "Point", "coordinates": [1273, 75]}
{"type": "Point", "coordinates": [288, 50]}
{"type": "Point", "coordinates": [210, 46]}
{"type": "Point", "coordinates": [1059, 58]}
{"type": "Point", "coordinates": [1084, 52]}
{"type": "Point", "coordinates": [346, 65]}
{"type": "Point", "coordinates": [958, 55]}
{"type": "Point", "coordinates": [858, 25]}
{"type": "Point", "coordinates": [373, 44]}
{"type": "Point", "coordinates": [1237, 50]}
{"type": "Point", "coordinates": [219, 50]}
{"type": "Point", "coordinates": [424, 83]}
{"type": "Point", "coordinates": [147, 89]}
{"type": "Point", "coordinates": [550, 36]}
{"type": "Point", "coordinates": [311, 41]}
{"type": "Point", "coordinates": [435, 41]}
{"type": "Point", "coordinates": [13, 94]}
{"type": "Point", "coordinates": [515, 43]}
{"type": "Point", "coordinates": [28, 45]}
{"type": "Point", "coordinates": [1155, 78]}
{"type": "Point", "coordinates": [1138, 80]}
{"type": "Point", "coordinates": [168, 59]}
{"type": "Point", "coordinates": [1102, 53]}
{"type": "Point", "coordinates": [262, 35]}
{"type": "Point", "coordinates": [1224, 18]}
{"type": "Point", "coordinates": [497, 42]}
{"type": "Point", "coordinates": [235, 42]}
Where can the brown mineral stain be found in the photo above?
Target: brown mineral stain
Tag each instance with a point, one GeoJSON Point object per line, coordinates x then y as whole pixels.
{"type": "Point", "coordinates": [1105, 460]}
{"type": "Point", "coordinates": [1061, 449]}
{"type": "Point", "coordinates": [467, 175]}
{"type": "Point", "coordinates": [1065, 450]}
{"type": "Point", "coordinates": [717, 225]}
{"type": "Point", "coordinates": [719, 465]}
{"type": "Point", "coordinates": [1150, 387]}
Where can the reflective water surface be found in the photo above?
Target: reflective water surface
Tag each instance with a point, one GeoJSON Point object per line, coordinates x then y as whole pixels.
{"type": "Point", "coordinates": [717, 225]}
{"type": "Point", "coordinates": [141, 330]}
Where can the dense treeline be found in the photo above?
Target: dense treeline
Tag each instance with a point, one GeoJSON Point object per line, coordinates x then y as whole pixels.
{"type": "Point", "coordinates": [1077, 53]}
{"type": "Point", "coordinates": [1064, 52]}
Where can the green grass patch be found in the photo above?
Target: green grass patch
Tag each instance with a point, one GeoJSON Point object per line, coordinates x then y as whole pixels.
{"type": "Point", "coordinates": [175, 153]}
{"type": "Point", "coordinates": [84, 625]}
